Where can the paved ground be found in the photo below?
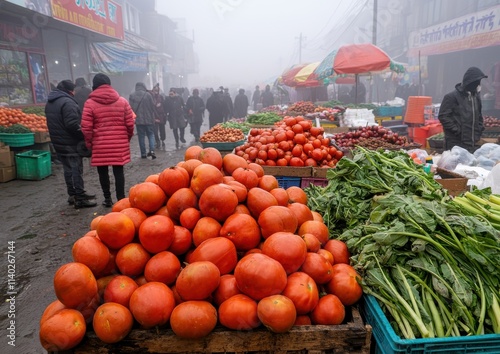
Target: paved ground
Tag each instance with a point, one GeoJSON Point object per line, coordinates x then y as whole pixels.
{"type": "Point", "coordinates": [35, 216]}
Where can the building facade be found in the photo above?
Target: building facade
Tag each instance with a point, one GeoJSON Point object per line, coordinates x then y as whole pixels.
{"type": "Point", "coordinates": [45, 41]}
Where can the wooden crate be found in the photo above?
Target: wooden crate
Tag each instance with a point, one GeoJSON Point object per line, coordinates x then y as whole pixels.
{"type": "Point", "coordinates": [351, 337]}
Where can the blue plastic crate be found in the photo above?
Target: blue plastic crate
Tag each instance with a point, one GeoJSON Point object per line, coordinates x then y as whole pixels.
{"type": "Point", "coordinates": [388, 342]}
{"type": "Point", "coordinates": [388, 111]}
{"type": "Point", "coordinates": [285, 182]}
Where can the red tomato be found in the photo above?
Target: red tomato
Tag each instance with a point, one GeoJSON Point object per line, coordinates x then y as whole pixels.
{"type": "Point", "coordinates": [329, 311]}
{"type": "Point", "coordinates": [303, 292]}
{"type": "Point", "coordinates": [345, 284]}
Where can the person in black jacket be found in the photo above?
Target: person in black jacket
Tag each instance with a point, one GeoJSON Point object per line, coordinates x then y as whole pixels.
{"type": "Point", "coordinates": [216, 107]}
{"type": "Point", "coordinates": [82, 92]}
{"type": "Point", "coordinates": [174, 106]}
{"type": "Point", "coordinates": [460, 112]}
{"type": "Point", "coordinates": [63, 120]}
{"type": "Point", "coordinates": [267, 97]}
{"type": "Point", "coordinates": [160, 116]}
{"type": "Point", "coordinates": [229, 103]}
{"type": "Point", "coordinates": [195, 110]}
{"type": "Point", "coordinates": [241, 104]}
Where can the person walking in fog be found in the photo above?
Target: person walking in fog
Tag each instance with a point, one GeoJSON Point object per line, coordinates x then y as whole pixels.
{"type": "Point", "coordinates": [241, 104]}
{"type": "Point", "coordinates": [160, 116]}
{"type": "Point", "coordinates": [195, 111]}
{"type": "Point", "coordinates": [460, 112]}
{"type": "Point", "coordinates": [216, 107]}
{"type": "Point", "coordinates": [82, 92]}
{"type": "Point", "coordinates": [175, 115]}
{"type": "Point", "coordinates": [229, 104]}
{"type": "Point", "coordinates": [143, 106]}
{"type": "Point", "coordinates": [267, 97]}
{"type": "Point", "coordinates": [63, 120]}
{"type": "Point", "coordinates": [256, 98]}
{"type": "Point", "coordinates": [108, 127]}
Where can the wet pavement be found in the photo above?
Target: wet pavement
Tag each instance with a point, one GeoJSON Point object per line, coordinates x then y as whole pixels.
{"type": "Point", "coordinates": [37, 230]}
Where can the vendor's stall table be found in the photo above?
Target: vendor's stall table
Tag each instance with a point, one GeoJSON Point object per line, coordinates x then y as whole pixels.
{"type": "Point", "coordinates": [351, 337]}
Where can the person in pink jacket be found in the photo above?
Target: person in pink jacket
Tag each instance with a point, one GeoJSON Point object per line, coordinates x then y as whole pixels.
{"type": "Point", "coordinates": [108, 125]}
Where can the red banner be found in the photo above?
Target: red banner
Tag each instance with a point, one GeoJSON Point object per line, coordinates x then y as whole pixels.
{"type": "Point", "coordinates": [104, 17]}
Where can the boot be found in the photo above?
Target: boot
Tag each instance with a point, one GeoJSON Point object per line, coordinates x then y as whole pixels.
{"type": "Point", "coordinates": [108, 202]}
{"type": "Point", "coordinates": [152, 155]}
{"type": "Point", "coordinates": [183, 140]}
{"type": "Point", "coordinates": [85, 195]}
{"type": "Point", "coordinates": [71, 200]}
{"type": "Point", "coordinates": [83, 203]}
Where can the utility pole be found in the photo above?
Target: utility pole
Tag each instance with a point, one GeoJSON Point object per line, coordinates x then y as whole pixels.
{"type": "Point", "coordinates": [374, 31]}
{"type": "Point", "coordinates": [300, 38]}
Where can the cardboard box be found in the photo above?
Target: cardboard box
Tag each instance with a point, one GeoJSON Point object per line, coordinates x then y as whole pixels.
{"type": "Point", "coordinates": [454, 183]}
{"type": "Point", "coordinates": [288, 171]}
{"type": "Point", "coordinates": [42, 137]}
{"type": "Point", "coordinates": [7, 173]}
{"type": "Point", "coordinates": [6, 157]}
{"type": "Point", "coordinates": [319, 172]}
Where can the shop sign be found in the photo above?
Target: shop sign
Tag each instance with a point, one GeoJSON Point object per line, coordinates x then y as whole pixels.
{"type": "Point", "coordinates": [20, 37]}
{"type": "Point", "coordinates": [101, 16]}
{"type": "Point", "coordinates": [476, 30]}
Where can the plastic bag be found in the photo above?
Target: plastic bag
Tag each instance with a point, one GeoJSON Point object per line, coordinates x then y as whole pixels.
{"type": "Point", "coordinates": [451, 158]}
{"type": "Point", "coordinates": [493, 180]}
{"type": "Point", "coordinates": [485, 162]}
{"type": "Point", "coordinates": [419, 154]}
{"type": "Point", "coordinates": [486, 149]}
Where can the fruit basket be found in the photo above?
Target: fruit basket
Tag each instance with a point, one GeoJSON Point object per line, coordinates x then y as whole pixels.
{"type": "Point", "coordinates": [223, 146]}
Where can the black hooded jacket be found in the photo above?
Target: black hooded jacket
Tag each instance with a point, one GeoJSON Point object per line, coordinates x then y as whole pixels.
{"type": "Point", "coordinates": [63, 120]}
{"type": "Point", "coordinates": [460, 113]}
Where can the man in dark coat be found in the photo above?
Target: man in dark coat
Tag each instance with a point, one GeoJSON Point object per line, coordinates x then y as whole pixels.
{"type": "Point", "coordinates": [256, 98]}
{"type": "Point", "coordinates": [174, 106]}
{"type": "Point", "coordinates": [143, 106]}
{"type": "Point", "coordinates": [195, 110]}
{"type": "Point", "coordinates": [460, 112]}
{"type": "Point", "coordinates": [160, 116]}
{"type": "Point", "coordinates": [267, 97]}
{"type": "Point", "coordinates": [241, 104]}
{"type": "Point", "coordinates": [63, 120]}
{"type": "Point", "coordinates": [216, 107]}
{"type": "Point", "coordinates": [82, 92]}
{"type": "Point", "coordinates": [229, 103]}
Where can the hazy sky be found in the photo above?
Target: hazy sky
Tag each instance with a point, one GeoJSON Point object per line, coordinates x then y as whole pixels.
{"type": "Point", "coordinates": [244, 42]}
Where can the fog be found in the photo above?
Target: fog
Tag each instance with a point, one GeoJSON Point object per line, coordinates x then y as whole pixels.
{"type": "Point", "coordinates": [245, 42]}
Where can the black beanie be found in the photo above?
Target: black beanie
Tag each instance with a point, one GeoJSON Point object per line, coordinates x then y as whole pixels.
{"type": "Point", "coordinates": [66, 86]}
{"type": "Point", "coordinates": [100, 79]}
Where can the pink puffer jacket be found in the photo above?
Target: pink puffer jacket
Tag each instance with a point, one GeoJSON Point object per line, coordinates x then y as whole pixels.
{"type": "Point", "coordinates": [108, 126]}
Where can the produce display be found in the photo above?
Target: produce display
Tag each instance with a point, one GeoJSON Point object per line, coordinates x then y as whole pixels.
{"type": "Point", "coordinates": [431, 265]}
{"type": "Point", "coordinates": [274, 109]}
{"type": "Point", "coordinates": [220, 133]}
{"type": "Point", "coordinates": [209, 242]}
{"type": "Point", "coordinates": [439, 136]}
{"type": "Point", "coordinates": [11, 116]}
{"type": "Point", "coordinates": [324, 113]}
{"type": "Point", "coordinates": [267, 118]}
{"type": "Point", "coordinates": [301, 108]}
{"type": "Point", "coordinates": [490, 122]}
{"type": "Point", "coordinates": [241, 125]}
{"type": "Point", "coordinates": [293, 142]}
{"type": "Point", "coordinates": [372, 137]}
{"type": "Point", "coordinates": [15, 129]}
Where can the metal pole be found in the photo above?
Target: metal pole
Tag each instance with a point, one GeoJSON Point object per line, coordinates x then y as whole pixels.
{"type": "Point", "coordinates": [374, 31]}
{"type": "Point", "coordinates": [300, 48]}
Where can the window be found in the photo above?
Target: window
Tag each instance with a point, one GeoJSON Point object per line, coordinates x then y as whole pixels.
{"type": "Point", "coordinates": [78, 55]}
{"type": "Point", "coordinates": [15, 88]}
{"type": "Point", "coordinates": [57, 55]}
{"type": "Point", "coordinates": [131, 18]}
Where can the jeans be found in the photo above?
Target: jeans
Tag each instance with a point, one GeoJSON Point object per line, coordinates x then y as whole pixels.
{"type": "Point", "coordinates": [160, 128]}
{"type": "Point", "coordinates": [142, 132]}
{"type": "Point", "coordinates": [73, 174]}
{"type": "Point", "coordinates": [106, 185]}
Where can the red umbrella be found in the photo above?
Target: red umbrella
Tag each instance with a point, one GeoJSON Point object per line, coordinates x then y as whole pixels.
{"type": "Point", "coordinates": [288, 75]}
{"type": "Point", "coordinates": [360, 59]}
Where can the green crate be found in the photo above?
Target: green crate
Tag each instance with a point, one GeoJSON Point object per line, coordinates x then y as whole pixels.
{"type": "Point", "coordinates": [226, 146]}
{"type": "Point", "coordinates": [33, 165]}
{"type": "Point", "coordinates": [18, 140]}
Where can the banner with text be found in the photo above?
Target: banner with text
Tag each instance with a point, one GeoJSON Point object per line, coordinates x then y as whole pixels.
{"type": "Point", "coordinates": [104, 17]}
{"type": "Point", "coordinates": [476, 30]}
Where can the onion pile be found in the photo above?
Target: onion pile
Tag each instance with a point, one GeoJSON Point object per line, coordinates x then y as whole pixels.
{"type": "Point", "coordinates": [353, 138]}
{"type": "Point", "coordinates": [490, 121]}
{"type": "Point", "coordinates": [220, 134]}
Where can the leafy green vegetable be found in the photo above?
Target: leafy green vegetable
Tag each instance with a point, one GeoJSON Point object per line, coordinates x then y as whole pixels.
{"type": "Point", "coordinates": [15, 129]}
{"type": "Point", "coordinates": [265, 118]}
{"type": "Point", "coordinates": [431, 261]}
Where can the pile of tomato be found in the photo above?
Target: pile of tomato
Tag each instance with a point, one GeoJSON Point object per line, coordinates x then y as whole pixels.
{"type": "Point", "coordinates": [210, 241]}
{"type": "Point", "coordinates": [11, 116]}
{"type": "Point", "coordinates": [293, 142]}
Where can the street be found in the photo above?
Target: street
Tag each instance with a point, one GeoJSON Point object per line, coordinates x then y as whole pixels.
{"type": "Point", "coordinates": [38, 229]}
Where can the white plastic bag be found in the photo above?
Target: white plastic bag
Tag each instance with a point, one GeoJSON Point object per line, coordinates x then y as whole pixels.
{"type": "Point", "coordinates": [493, 180]}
